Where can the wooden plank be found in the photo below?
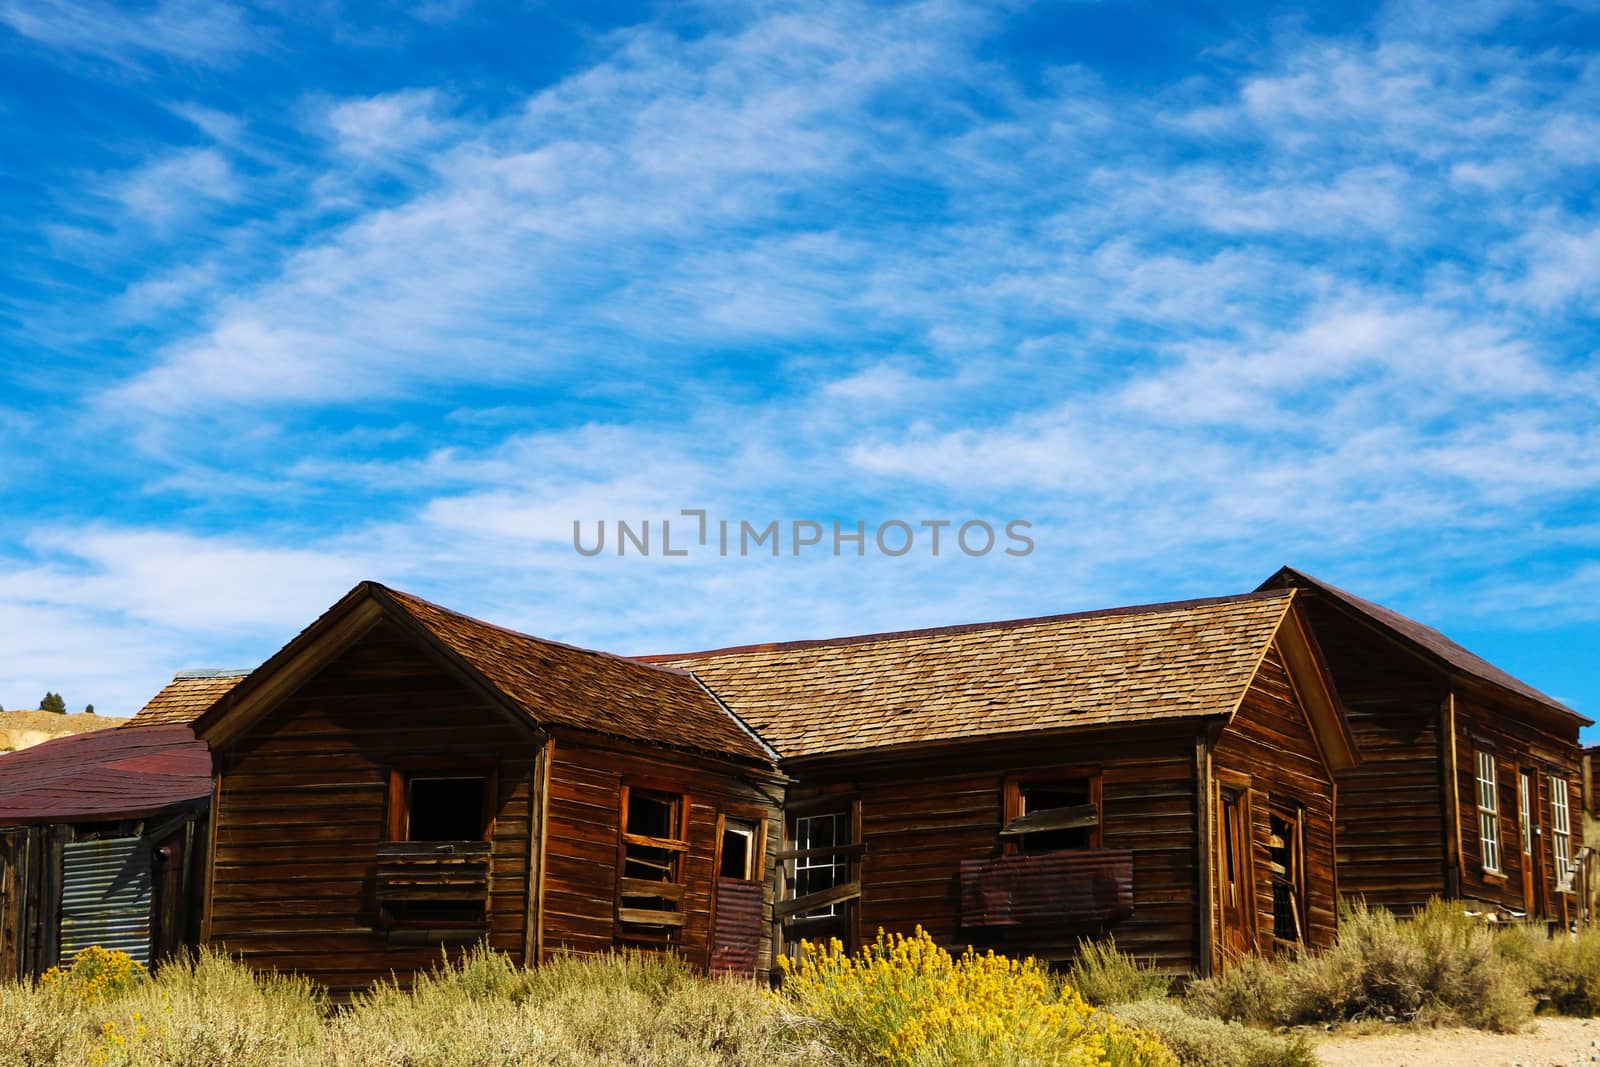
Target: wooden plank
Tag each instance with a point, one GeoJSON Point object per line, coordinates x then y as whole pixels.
{"type": "Point", "coordinates": [1449, 784]}
{"type": "Point", "coordinates": [649, 917]}
{"type": "Point", "coordinates": [839, 894]}
{"type": "Point", "coordinates": [538, 824]}
{"type": "Point", "coordinates": [1205, 951]}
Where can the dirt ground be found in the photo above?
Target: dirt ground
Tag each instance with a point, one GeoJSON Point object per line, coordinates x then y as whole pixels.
{"type": "Point", "coordinates": [1549, 1043]}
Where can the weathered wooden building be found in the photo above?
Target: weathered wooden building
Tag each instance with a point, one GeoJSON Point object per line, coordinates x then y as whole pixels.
{"type": "Point", "coordinates": [1203, 779]}
{"type": "Point", "coordinates": [400, 776]}
{"type": "Point", "coordinates": [1470, 785]}
{"type": "Point", "coordinates": [1162, 772]}
{"type": "Point", "coordinates": [101, 843]}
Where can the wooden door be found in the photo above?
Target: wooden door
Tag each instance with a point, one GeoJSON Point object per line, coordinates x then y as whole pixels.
{"type": "Point", "coordinates": [1234, 862]}
{"type": "Point", "coordinates": [1525, 817]}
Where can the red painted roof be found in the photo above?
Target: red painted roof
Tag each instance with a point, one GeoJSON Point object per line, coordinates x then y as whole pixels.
{"type": "Point", "coordinates": [126, 773]}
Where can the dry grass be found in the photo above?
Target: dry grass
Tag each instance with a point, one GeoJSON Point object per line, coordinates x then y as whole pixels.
{"type": "Point", "coordinates": [484, 1012]}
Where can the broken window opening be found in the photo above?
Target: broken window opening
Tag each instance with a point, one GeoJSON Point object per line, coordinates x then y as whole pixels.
{"type": "Point", "coordinates": [446, 808]}
{"type": "Point", "coordinates": [654, 841]}
{"type": "Point", "coordinates": [740, 845]}
{"type": "Point", "coordinates": [1051, 814]}
{"type": "Point", "coordinates": [432, 881]}
{"type": "Point", "coordinates": [1286, 859]}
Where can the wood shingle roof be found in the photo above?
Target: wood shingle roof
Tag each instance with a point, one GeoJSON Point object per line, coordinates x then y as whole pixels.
{"type": "Point", "coordinates": [1163, 661]}
{"type": "Point", "coordinates": [183, 700]}
{"type": "Point", "coordinates": [563, 685]}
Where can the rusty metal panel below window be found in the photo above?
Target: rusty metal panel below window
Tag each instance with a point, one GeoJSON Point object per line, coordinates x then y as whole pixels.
{"type": "Point", "coordinates": [105, 896]}
{"type": "Point", "coordinates": [1072, 888]}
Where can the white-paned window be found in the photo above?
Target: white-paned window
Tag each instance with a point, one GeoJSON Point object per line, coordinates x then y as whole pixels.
{"type": "Point", "coordinates": [1488, 813]}
{"type": "Point", "coordinates": [1561, 826]}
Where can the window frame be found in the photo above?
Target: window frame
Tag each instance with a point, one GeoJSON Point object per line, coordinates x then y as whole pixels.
{"type": "Point", "coordinates": [634, 924]}
{"type": "Point", "coordinates": [836, 862]}
{"type": "Point", "coordinates": [1561, 826]}
{"type": "Point", "coordinates": [393, 917]}
{"type": "Point", "coordinates": [843, 917]}
{"type": "Point", "coordinates": [757, 817]}
{"type": "Point", "coordinates": [402, 772]}
{"type": "Point", "coordinates": [1014, 806]}
{"type": "Point", "coordinates": [1293, 815]}
{"type": "Point", "coordinates": [1527, 809]}
{"type": "Point", "coordinates": [1488, 807]}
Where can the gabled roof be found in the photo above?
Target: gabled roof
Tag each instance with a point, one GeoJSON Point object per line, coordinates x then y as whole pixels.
{"type": "Point", "coordinates": [126, 773]}
{"type": "Point", "coordinates": [565, 685]}
{"type": "Point", "coordinates": [1427, 641]}
{"type": "Point", "coordinates": [1187, 660]}
{"type": "Point", "coordinates": [188, 695]}
{"type": "Point", "coordinates": [547, 683]}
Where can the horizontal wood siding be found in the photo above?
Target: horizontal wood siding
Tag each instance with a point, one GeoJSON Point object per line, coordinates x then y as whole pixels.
{"type": "Point", "coordinates": [586, 779]}
{"type": "Point", "coordinates": [1270, 740]}
{"type": "Point", "coordinates": [921, 817]}
{"type": "Point", "coordinates": [1391, 823]}
{"type": "Point", "coordinates": [302, 808]}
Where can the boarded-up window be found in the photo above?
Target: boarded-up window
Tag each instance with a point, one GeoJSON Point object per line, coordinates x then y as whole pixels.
{"type": "Point", "coordinates": [105, 896]}
{"type": "Point", "coordinates": [654, 841]}
{"type": "Point", "coordinates": [1488, 813]}
{"type": "Point", "coordinates": [433, 873]}
{"type": "Point", "coordinates": [1561, 827]}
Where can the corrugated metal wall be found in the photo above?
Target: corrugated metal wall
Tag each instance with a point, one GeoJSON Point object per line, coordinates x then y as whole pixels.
{"type": "Point", "coordinates": [106, 896]}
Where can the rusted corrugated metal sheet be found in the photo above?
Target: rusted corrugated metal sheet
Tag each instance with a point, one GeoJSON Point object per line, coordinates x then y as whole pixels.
{"type": "Point", "coordinates": [106, 896]}
{"type": "Point", "coordinates": [1080, 887]}
{"type": "Point", "coordinates": [125, 773]}
{"type": "Point", "coordinates": [735, 946]}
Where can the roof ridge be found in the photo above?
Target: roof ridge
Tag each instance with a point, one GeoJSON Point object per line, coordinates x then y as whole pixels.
{"type": "Point", "coordinates": [1398, 623]}
{"type": "Point", "coordinates": [971, 627]}
{"type": "Point", "coordinates": [212, 672]}
{"type": "Point", "coordinates": [631, 661]}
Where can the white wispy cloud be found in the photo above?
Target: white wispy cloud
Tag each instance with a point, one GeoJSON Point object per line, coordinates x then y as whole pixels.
{"type": "Point", "coordinates": [195, 31]}
{"type": "Point", "coordinates": [1314, 305]}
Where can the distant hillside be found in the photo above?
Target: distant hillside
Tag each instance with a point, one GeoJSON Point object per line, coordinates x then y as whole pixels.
{"type": "Point", "coordinates": [24, 729]}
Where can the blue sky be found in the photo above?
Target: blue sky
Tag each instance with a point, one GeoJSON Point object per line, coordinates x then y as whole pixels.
{"type": "Point", "coordinates": [295, 295]}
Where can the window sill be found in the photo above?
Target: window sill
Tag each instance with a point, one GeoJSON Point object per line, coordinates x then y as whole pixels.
{"type": "Point", "coordinates": [1497, 877]}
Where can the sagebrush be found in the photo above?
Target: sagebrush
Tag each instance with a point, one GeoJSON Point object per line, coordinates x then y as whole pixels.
{"type": "Point", "coordinates": [1199, 1041]}
{"type": "Point", "coordinates": [1102, 974]}
{"type": "Point", "coordinates": [1439, 967]}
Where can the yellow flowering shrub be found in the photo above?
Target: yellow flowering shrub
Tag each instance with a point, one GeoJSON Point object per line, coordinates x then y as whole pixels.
{"type": "Point", "coordinates": [906, 1002]}
{"type": "Point", "coordinates": [95, 974]}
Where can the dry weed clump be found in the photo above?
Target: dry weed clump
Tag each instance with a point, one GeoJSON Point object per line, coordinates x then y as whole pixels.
{"type": "Point", "coordinates": [1439, 967]}
{"type": "Point", "coordinates": [1104, 975]}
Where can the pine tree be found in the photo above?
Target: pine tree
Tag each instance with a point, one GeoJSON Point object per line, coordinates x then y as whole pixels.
{"type": "Point", "coordinates": [88, 709]}
{"type": "Point", "coordinates": [53, 702]}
